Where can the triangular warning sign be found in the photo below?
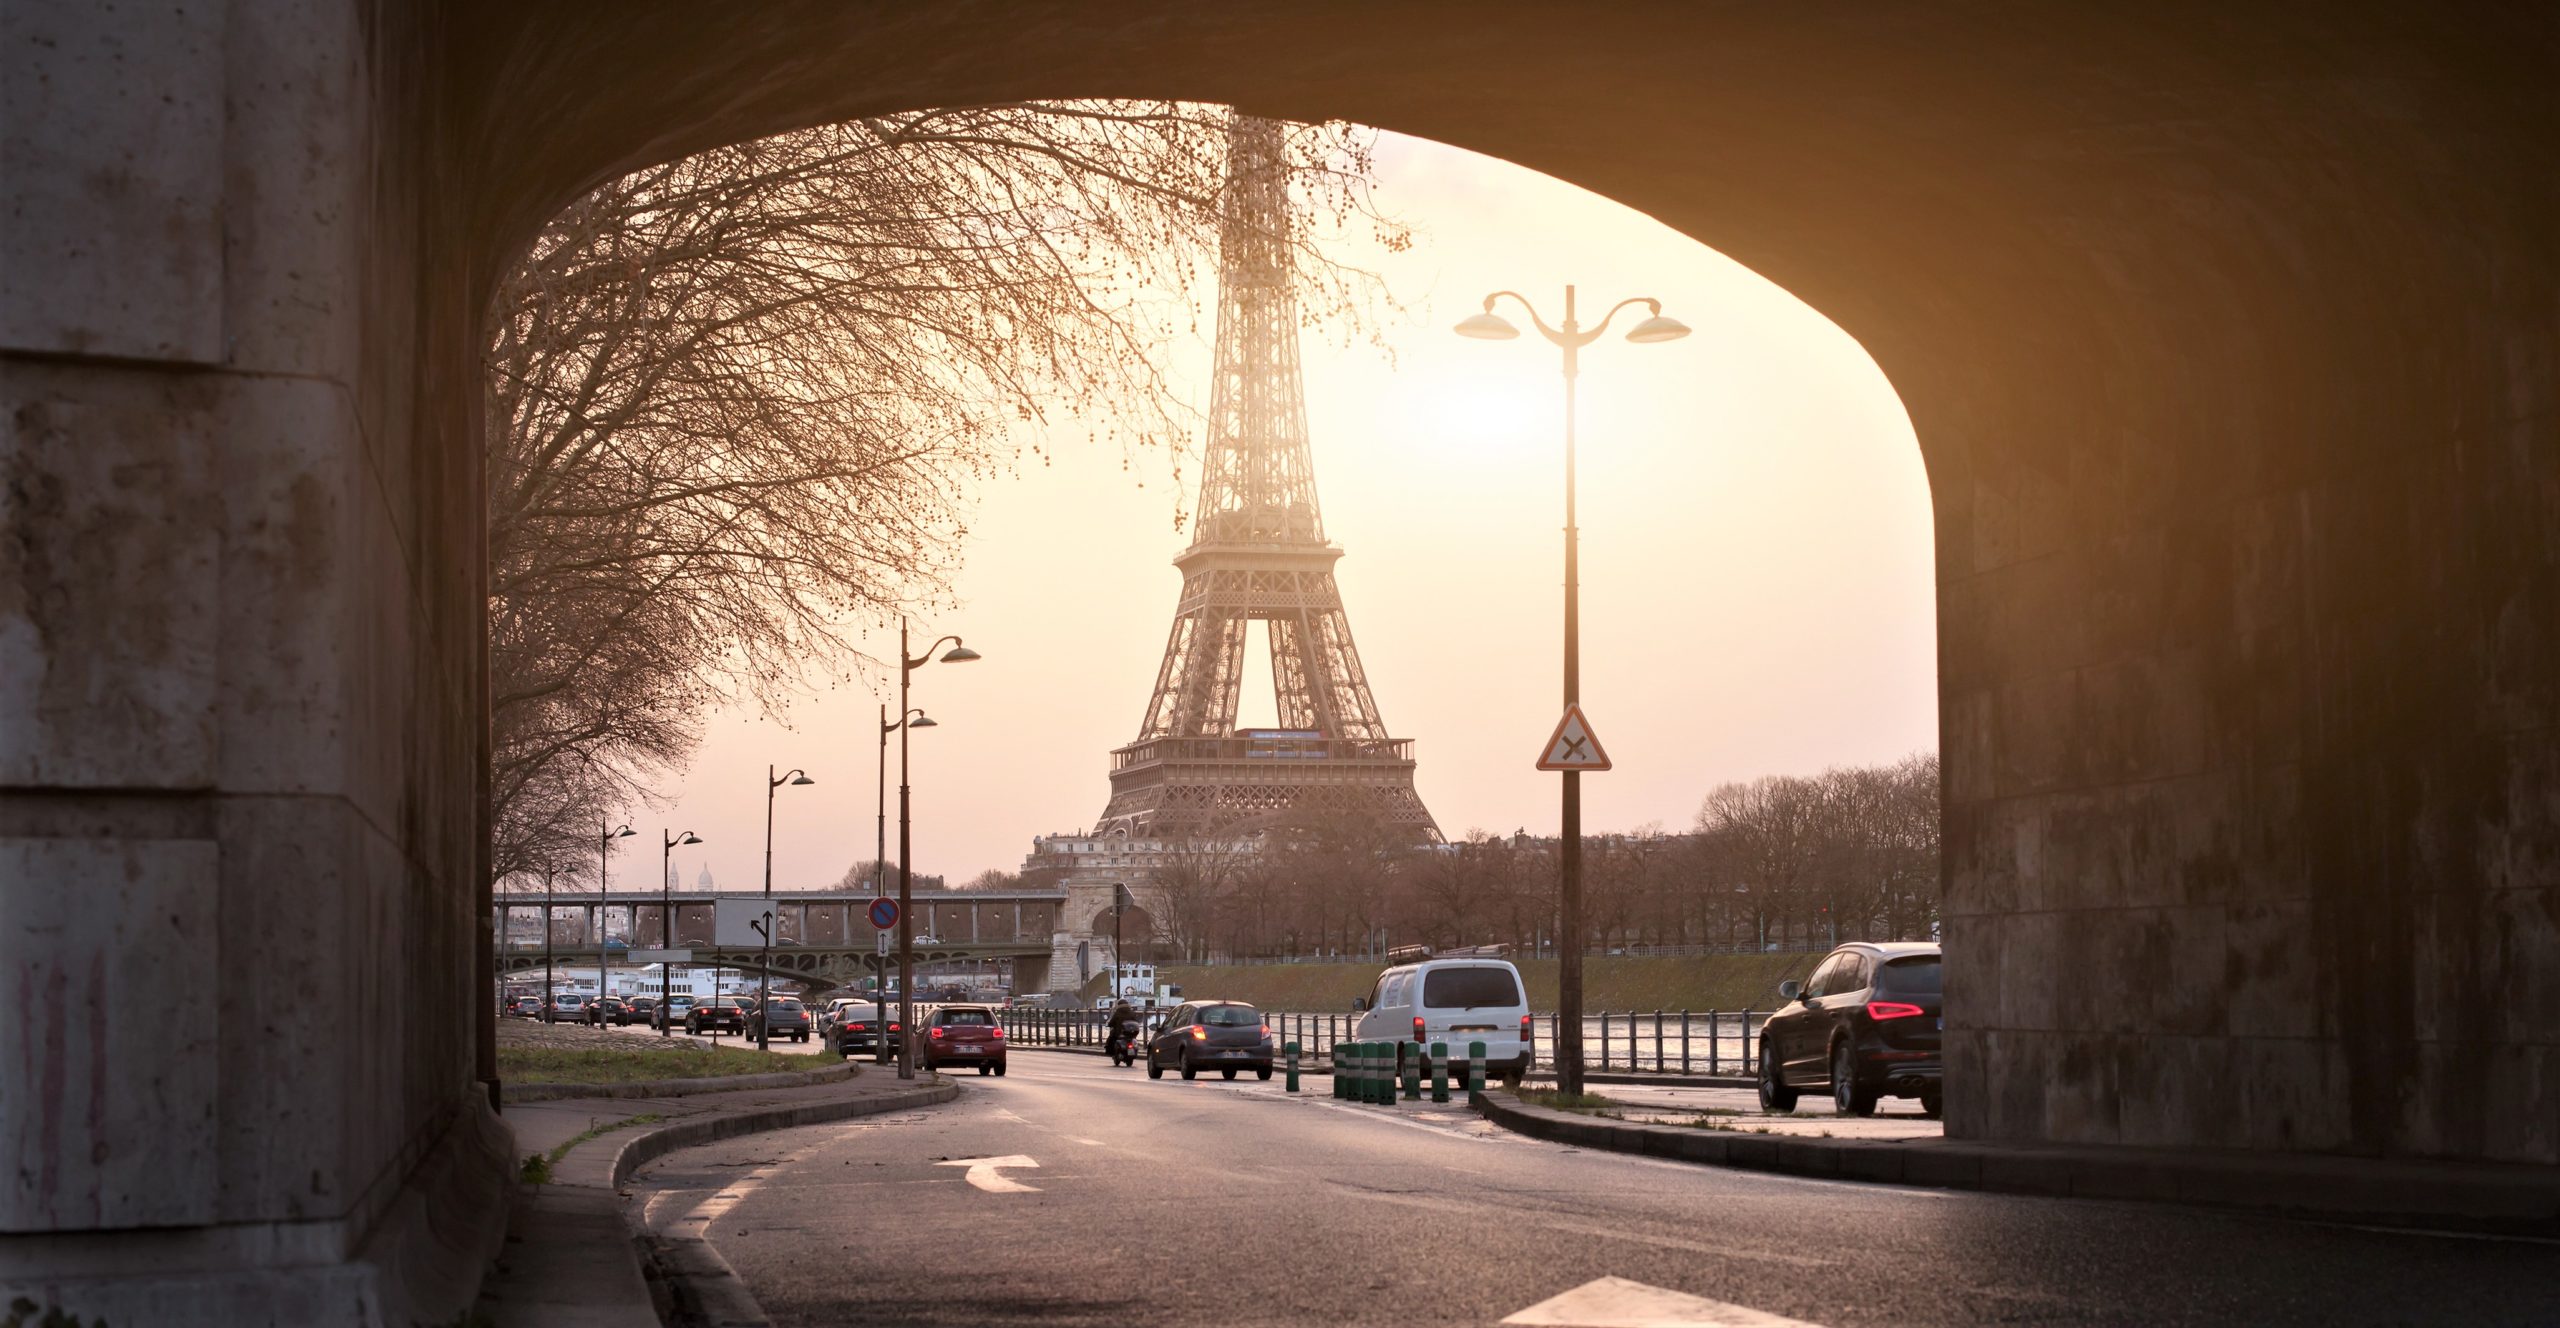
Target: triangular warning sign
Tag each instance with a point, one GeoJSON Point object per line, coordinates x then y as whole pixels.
{"type": "Point", "coordinates": [1574, 746]}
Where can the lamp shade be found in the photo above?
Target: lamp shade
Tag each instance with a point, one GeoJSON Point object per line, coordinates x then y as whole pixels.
{"type": "Point", "coordinates": [1487, 326]}
{"type": "Point", "coordinates": [1657, 328]}
{"type": "Point", "coordinates": [922, 722]}
{"type": "Point", "coordinates": [963, 654]}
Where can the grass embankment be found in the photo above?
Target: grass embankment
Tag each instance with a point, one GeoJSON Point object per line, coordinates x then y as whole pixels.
{"type": "Point", "coordinates": [546, 1065]}
{"type": "Point", "coordinates": [1704, 982]}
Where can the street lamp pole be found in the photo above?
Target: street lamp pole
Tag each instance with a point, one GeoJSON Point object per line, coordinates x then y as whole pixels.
{"type": "Point", "coordinates": [666, 917]}
{"type": "Point", "coordinates": [547, 976]}
{"type": "Point", "coordinates": [880, 872]}
{"type": "Point", "coordinates": [907, 665]}
{"type": "Point", "coordinates": [604, 859]}
{"type": "Point", "coordinates": [764, 976]}
{"type": "Point", "coordinates": [1570, 338]}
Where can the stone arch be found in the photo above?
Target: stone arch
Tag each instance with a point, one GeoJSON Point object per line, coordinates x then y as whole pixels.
{"type": "Point", "coordinates": [2171, 431]}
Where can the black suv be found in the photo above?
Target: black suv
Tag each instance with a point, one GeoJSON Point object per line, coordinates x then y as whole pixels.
{"type": "Point", "coordinates": [1865, 1026]}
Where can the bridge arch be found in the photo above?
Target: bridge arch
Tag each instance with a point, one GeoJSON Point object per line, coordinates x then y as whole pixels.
{"type": "Point", "coordinates": [2225, 334]}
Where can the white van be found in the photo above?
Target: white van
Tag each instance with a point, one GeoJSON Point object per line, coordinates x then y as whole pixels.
{"type": "Point", "coordinates": [1456, 1001]}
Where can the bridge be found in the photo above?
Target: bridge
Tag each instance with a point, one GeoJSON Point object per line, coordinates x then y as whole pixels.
{"type": "Point", "coordinates": [821, 940]}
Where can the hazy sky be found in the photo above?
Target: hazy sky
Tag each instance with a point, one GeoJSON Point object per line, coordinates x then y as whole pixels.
{"type": "Point", "coordinates": [1755, 562]}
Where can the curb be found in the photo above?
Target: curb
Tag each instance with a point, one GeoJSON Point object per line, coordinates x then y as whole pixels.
{"type": "Point", "coordinates": [514, 1093]}
{"type": "Point", "coordinates": [643, 1149]}
{"type": "Point", "coordinates": [1663, 1080]}
{"type": "Point", "coordinates": [2445, 1195]}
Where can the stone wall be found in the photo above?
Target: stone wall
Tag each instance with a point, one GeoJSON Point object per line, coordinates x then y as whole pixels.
{"type": "Point", "coordinates": [239, 691]}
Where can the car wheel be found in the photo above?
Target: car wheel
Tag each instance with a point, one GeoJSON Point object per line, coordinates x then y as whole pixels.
{"type": "Point", "coordinates": [1845, 1093]}
{"type": "Point", "coordinates": [985, 1070]}
{"type": "Point", "coordinates": [1154, 1071]}
{"type": "Point", "coordinates": [1263, 1074]}
{"type": "Point", "coordinates": [999, 1069]}
{"type": "Point", "coordinates": [1228, 1073]}
{"type": "Point", "coordinates": [1189, 1071]}
{"type": "Point", "coordinates": [1775, 1096]}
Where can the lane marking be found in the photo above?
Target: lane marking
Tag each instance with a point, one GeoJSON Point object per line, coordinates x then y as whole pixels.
{"type": "Point", "coordinates": [1615, 1302]}
{"type": "Point", "coordinates": [982, 1173]}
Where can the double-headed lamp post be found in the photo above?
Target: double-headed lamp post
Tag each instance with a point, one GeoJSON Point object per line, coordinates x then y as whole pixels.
{"type": "Point", "coordinates": [764, 978]}
{"type": "Point", "coordinates": [907, 665]}
{"type": "Point", "coordinates": [667, 920]}
{"type": "Point", "coordinates": [914, 719]}
{"type": "Point", "coordinates": [606, 833]}
{"type": "Point", "coordinates": [1571, 338]}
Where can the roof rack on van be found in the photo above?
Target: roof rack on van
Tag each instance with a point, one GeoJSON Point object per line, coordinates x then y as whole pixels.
{"type": "Point", "coordinates": [1408, 954]}
{"type": "Point", "coordinates": [1501, 951]}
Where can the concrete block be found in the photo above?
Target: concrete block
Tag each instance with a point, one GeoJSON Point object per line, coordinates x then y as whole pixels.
{"type": "Point", "coordinates": [1870, 1162]}
{"type": "Point", "coordinates": [2268, 975]}
{"type": "Point", "coordinates": [111, 144]}
{"type": "Point", "coordinates": [110, 597]}
{"type": "Point", "coordinates": [111, 1117]}
{"type": "Point", "coordinates": [1806, 1157]}
{"type": "Point", "coordinates": [2288, 1095]}
{"type": "Point", "coordinates": [2173, 1090]}
{"type": "Point", "coordinates": [298, 191]}
{"type": "Point", "coordinates": [1947, 1165]}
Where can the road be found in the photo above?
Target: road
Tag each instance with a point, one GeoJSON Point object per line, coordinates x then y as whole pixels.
{"type": "Point", "coordinates": [1131, 1202]}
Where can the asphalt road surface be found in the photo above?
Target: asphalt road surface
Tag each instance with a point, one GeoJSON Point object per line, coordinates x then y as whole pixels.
{"type": "Point", "coordinates": [1071, 1192]}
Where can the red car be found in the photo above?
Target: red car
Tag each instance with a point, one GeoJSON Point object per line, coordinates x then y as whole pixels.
{"type": "Point", "coordinates": [963, 1035]}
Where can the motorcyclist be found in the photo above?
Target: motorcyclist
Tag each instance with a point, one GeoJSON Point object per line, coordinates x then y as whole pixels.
{"type": "Point", "coordinates": [1124, 1027]}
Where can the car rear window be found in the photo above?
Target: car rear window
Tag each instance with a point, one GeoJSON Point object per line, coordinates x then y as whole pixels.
{"type": "Point", "coordinates": [1230, 1016]}
{"type": "Point", "coordinates": [950, 1017]}
{"type": "Point", "coordinates": [791, 1007]}
{"type": "Point", "coordinates": [1916, 976]}
{"type": "Point", "coordinates": [1469, 988]}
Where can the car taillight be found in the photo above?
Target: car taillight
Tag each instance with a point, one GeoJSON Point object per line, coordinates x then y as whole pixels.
{"type": "Point", "coordinates": [1892, 1010]}
{"type": "Point", "coordinates": [995, 1032]}
{"type": "Point", "coordinates": [1266, 1032]}
{"type": "Point", "coordinates": [1199, 1033]}
{"type": "Point", "coordinates": [1528, 1033]}
{"type": "Point", "coordinates": [1417, 1028]}
{"type": "Point", "coordinates": [936, 1033]}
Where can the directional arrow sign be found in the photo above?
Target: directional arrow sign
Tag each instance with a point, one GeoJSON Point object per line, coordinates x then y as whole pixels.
{"type": "Point", "coordinates": [982, 1173]}
{"type": "Point", "coordinates": [1615, 1302]}
{"type": "Point", "coordinates": [1574, 746]}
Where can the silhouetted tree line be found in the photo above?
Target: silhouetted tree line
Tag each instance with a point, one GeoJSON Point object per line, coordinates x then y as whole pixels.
{"type": "Point", "coordinates": [1786, 861]}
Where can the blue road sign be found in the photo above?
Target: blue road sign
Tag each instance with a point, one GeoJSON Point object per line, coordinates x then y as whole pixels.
{"type": "Point", "coordinates": [884, 913]}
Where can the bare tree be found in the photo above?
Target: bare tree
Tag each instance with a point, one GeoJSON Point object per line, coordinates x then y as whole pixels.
{"type": "Point", "coordinates": [735, 402]}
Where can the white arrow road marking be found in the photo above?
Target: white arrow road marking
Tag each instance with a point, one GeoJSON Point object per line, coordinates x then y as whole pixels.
{"type": "Point", "coordinates": [1615, 1302]}
{"type": "Point", "coordinates": [982, 1173]}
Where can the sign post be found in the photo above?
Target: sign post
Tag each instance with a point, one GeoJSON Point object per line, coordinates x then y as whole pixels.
{"type": "Point", "coordinates": [883, 914]}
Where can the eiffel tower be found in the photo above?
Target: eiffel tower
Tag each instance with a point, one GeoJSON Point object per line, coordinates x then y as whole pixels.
{"type": "Point", "coordinates": [1258, 553]}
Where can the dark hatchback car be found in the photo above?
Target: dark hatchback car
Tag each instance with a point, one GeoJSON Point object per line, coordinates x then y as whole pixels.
{"type": "Point", "coordinates": [1865, 1026]}
{"type": "Point", "coordinates": [857, 1033]}
{"type": "Point", "coordinates": [782, 1016]}
{"type": "Point", "coordinates": [962, 1035]}
{"type": "Point", "coordinates": [1225, 1036]}
{"type": "Point", "coordinates": [644, 1010]}
{"type": "Point", "coordinates": [608, 1010]}
{"type": "Point", "coordinates": [727, 1014]}
{"type": "Point", "coordinates": [524, 1007]}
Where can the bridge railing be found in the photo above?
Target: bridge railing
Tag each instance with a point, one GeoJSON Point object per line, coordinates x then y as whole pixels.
{"type": "Point", "coordinates": [1687, 1042]}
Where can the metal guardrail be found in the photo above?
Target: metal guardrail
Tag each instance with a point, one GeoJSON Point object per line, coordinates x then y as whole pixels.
{"type": "Point", "coordinates": [1709, 1042]}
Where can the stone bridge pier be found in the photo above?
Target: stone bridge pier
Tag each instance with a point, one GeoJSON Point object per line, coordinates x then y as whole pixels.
{"type": "Point", "coordinates": [2227, 333]}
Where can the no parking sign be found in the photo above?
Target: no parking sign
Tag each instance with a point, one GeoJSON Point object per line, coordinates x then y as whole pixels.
{"type": "Point", "coordinates": [884, 913]}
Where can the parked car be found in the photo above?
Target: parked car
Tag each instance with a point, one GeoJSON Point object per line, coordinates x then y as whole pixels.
{"type": "Point", "coordinates": [962, 1035]}
{"type": "Point", "coordinates": [781, 1016]}
{"type": "Point", "coordinates": [726, 1013]}
{"type": "Point", "coordinates": [674, 1010]}
{"type": "Point", "coordinates": [523, 1007]}
{"type": "Point", "coordinates": [1865, 1026]}
{"type": "Point", "coordinates": [644, 1010]}
{"type": "Point", "coordinates": [1456, 1002]}
{"type": "Point", "coordinates": [608, 1010]}
{"type": "Point", "coordinates": [565, 1008]}
{"type": "Point", "coordinates": [1226, 1036]}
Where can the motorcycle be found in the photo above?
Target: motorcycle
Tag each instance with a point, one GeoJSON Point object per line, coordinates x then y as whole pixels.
{"type": "Point", "coordinates": [1123, 1043]}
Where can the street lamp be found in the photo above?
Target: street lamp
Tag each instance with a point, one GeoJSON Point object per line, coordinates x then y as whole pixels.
{"type": "Point", "coordinates": [547, 977]}
{"type": "Point", "coordinates": [604, 857]}
{"type": "Point", "coordinates": [764, 978]}
{"type": "Point", "coordinates": [667, 923]}
{"type": "Point", "coordinates": [907, 665]}
{"type": "Point", "coordinates": [880, 869]}
{"type": "Point", "coordinates": [1570, 338]}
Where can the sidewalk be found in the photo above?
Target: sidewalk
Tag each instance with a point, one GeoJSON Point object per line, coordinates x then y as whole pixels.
{"type": "Point", "coordinates": [570, 1258]}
